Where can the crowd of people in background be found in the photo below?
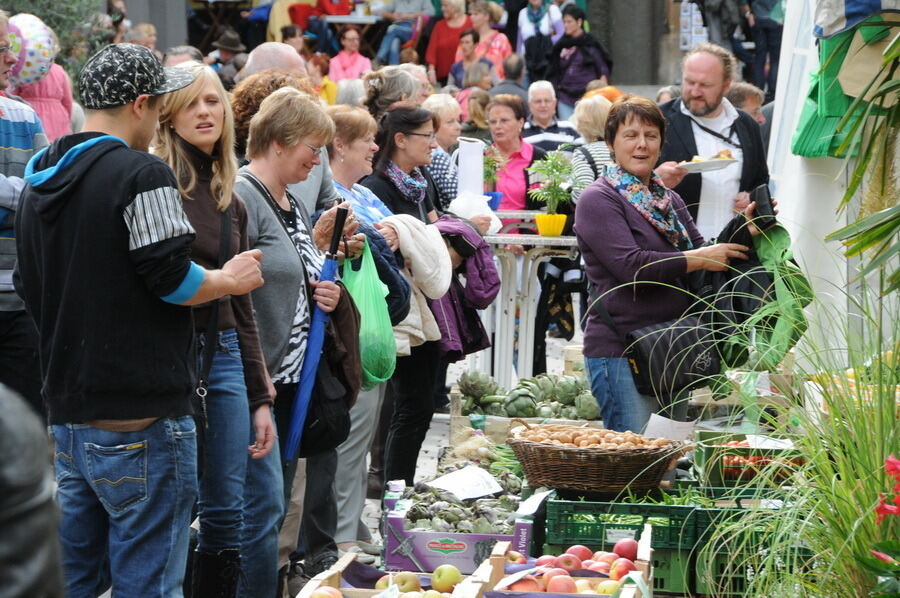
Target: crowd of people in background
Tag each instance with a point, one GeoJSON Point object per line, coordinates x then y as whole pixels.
{"type": "Point", "coordinates": [255, 145]}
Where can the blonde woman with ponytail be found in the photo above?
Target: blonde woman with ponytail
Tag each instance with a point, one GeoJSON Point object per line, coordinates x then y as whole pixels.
{"type": "Point", "coordinates": [196, 139]}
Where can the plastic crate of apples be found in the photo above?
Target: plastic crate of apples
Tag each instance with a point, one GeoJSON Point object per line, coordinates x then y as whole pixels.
{"type": "Point", "coordinates": [509, 574]}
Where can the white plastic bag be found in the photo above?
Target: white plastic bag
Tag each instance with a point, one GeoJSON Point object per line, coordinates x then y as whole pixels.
{"type": "Point", "coordinates": [467, 205]}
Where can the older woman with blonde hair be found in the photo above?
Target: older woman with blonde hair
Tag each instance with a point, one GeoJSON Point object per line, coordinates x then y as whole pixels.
{"type": "Point", "coordinates": [196, 138]}
{"type": "Point", "coordinates": [589, 119]}
{"type": "Point", "coordinates": [287, 140]}
{"type": "Point", "coordinates": [442, 169]}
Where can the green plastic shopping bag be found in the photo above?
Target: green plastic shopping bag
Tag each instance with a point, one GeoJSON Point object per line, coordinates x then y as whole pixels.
{"type": "Point", "coordinates": [378, 350]}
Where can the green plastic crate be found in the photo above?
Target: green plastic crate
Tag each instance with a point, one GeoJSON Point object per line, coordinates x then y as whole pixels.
{"type": "Point", "coordinates": [673, 571]}
{"type": "Point", "coordinates": [568, 522]}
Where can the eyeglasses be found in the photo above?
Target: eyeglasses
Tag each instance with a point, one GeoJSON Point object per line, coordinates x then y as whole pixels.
{"type": "Point", "coordinates": [316, 150]}
{"type": "Point", "coordinates": [430, 136]}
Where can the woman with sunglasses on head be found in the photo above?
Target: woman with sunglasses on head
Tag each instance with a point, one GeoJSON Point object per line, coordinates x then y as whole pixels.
{"type": "Point", "coordinates": [195, 138]}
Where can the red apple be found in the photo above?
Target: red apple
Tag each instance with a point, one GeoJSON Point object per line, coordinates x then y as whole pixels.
{"type": "Point", "coordinates": [526, 584]}
{"type": "Point", "coordinates": [546, 559]}
{"type": "Point", "coordinates": [515, 557]}
{"type": "Point", "coordinates": [601, 567]}
{"type": "Point", "coordinates": [587, 564]}
{"type": "Point", "coordinates": [569, 562]}
{"type": "Point", "coordinates": [561, 584]}
{"type": "Point", "coordinates": [582, 552]}
{"type": "Point", "coordinates": [605, 557]}
{"type": "Point", "coordinates": [551, 574]}
{"type": "Point", "coordinates": [626, 548]}
{"type": "Point", "coordinates": [620, 568]}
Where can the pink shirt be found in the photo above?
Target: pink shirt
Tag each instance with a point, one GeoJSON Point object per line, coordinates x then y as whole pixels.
{"type": "Point", "coordinates": [511, 179]}
{"type": "Point", "coordinates": [51, 98]}
{"type": "Point", "coordinates": [494, 49]}
{"type": "Point", "coordinates": [345, 66]}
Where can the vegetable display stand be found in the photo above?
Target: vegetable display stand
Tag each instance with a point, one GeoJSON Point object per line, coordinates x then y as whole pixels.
{"type": "Point", "coordinates": [482, 583]}
{"type": "Point", "coordinates": [591, 468]}
{"type": "Point", "coordinates": [356, 580]}
{"type": "Point", "coordinates": [496, 428]}
{"type": "Point", "coordinates": [419, 550]}
{"type": "Point", "coordinates": [725, 460]}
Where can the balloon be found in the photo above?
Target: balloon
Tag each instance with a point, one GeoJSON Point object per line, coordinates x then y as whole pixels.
{"type": "Point", "coordinates": [38, 49]}
{"type": "Point", "coordinates": [17, 49]}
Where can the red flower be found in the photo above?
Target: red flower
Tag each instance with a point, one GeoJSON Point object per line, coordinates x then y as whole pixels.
{"type": "Point", "coordinates": [885, 509]}
{"type": "Point", "coordinates": [892, 467]}
{"type": "Point", "coordinates": [884, 557]}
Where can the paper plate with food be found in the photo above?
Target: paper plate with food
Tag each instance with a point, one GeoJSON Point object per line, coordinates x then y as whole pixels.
{"type": "Point", "coordinates": [701, 164]}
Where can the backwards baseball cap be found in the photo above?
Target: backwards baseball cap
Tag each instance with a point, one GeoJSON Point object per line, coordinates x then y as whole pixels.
{"type": "Point", "coordinates": [119, 73]}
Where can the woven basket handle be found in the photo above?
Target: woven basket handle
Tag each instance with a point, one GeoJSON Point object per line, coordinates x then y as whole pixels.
{"type": "Point", "coordinates": [521, 421]}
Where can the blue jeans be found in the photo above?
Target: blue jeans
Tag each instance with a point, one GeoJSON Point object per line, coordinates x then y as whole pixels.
{"type": "Point", "coordinates": [221, 501]}
{"type": "Point", "coordinates": [263, 512]}
{"type": "Point", "coordinates": [621, 405]}
{"type": "Point", "coordinates": [397, 35]}
{"type": "Point", "coordinates": [564, 111]}
{"type": "Point", "coordinates": [125, 500]}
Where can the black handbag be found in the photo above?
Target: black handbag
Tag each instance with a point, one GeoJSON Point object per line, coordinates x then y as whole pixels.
{"type": "Point", "coordinates": [669, 357]}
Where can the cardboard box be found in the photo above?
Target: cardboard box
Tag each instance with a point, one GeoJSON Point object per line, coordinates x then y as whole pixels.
{"type": "Point", "coordinates": [573, 360]}
{"type": "Point", "coordinates": [408, 550]}
{"type": "Point", "coordinates": [484, 580]}
{"type": "Point", "coordinates": [346, 571]}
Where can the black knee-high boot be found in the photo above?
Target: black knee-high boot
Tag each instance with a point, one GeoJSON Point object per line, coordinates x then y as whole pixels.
{"type": "Point", "coordinates": [216, 574]}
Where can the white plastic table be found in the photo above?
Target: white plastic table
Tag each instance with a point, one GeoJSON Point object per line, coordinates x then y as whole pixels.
{"type": "Point", "coordinates": [517, 289]}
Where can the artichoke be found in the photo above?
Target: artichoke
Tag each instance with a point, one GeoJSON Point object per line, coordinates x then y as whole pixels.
{"type": "Point", "coordinates": [495, 409]}
{"type": "Point", "coordinates": [438, 506]}
{"type": "Point", "coordinates": [418, 511]}
{"type": "Point", "coordinates": [510, 482]}
{"type": "Point", "coordinates": [532, 386]}
{"type": "Point", "coordinates": [586, 406]}
{"type": "Point", "coordinates": [547, 384]}
{"type": "Point", "coordinates": [465, 527]}
{"type": "Point", "coordinates": [439, 525]}
{"type": "Point", "coordinates": [568, 412]}
{"type": "Point", "coordinates": [477, 384]}
{"type": "Point", "coordinates": [520, 403]}
{"type": "Point", "coordinates": [481, 526]}
{"type": "Point", "coordinates": [567, 389]}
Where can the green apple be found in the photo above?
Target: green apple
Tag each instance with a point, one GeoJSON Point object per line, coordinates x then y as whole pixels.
{"type": "Point", "coordinates": [383, 582]}
{"type": "Point", "coordinates": [445, 578]}
{"type": "Point", "coordinates": [431, 594]}
{"type": "Point", "coordinates": [407, 582]}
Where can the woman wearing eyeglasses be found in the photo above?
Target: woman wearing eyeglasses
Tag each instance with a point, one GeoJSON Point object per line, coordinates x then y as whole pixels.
{"type": "Point", "coordinates": [349, 63]}
{"type": "Point", "coordinates": [407, 138]}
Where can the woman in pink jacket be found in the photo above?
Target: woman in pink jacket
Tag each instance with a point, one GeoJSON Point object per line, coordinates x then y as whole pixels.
{"type": "Point", "coordinates": [349, 63]}
{"type": "Point", "coordinates": [51, 98]}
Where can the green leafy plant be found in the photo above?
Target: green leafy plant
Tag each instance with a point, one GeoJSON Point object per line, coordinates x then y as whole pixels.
{"type": "Point", "coordinates": [493, 163]}
{"type": "Point", "coordinates": [554, 177]}
{"type": "Point", "coordinates": [813, 541]}
{"type": "Point", "coordinates": [873, 125]}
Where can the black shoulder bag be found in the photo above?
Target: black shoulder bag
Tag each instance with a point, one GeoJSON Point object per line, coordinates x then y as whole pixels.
{"type": "Point", "coordinates": [209, 340]}
{"type": "Point", "coordinates": [328, 420]}
{"type": "Point", "coordinates": [668, 357]}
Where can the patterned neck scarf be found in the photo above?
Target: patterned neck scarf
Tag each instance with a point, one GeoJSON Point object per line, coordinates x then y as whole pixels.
{"type": "Point", "coordinates": [652, 203]}
{"type": "Point", "coordinates": [411, 185]}
{"type": "Point", "coordinates": [537, 15]}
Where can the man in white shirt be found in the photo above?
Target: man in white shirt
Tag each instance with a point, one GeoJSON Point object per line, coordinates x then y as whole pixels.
{"type": "Point", "coordinates": [702, 123]}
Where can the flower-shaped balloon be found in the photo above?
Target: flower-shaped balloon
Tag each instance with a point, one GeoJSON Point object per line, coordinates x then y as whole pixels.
{"type": "Point", "coordinates": [37, 48]}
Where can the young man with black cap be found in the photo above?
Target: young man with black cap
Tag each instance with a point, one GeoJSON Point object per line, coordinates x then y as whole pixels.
{"type": "Point", "coordinates": [104, 270]}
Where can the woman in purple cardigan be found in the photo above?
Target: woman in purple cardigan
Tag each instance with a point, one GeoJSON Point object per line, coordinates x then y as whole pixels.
{"type": "Point", "coordinates": [633, 231]}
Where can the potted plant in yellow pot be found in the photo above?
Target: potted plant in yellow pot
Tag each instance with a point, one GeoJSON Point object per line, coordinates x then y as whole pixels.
{"type": "Point", "coordinates": [554, 174]}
